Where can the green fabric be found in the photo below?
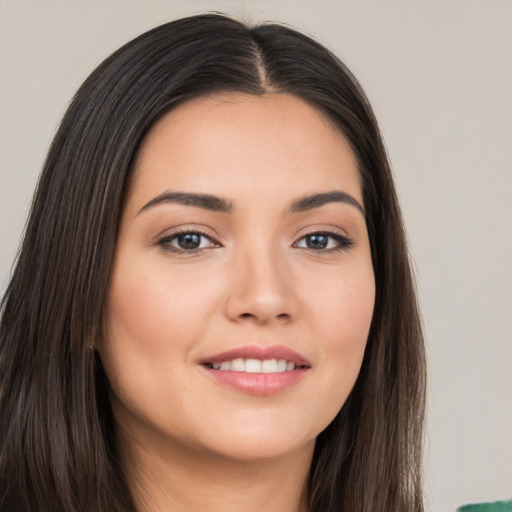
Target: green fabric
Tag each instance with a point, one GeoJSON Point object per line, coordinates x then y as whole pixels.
{"type": "Point", "coordinates": [497, 506]}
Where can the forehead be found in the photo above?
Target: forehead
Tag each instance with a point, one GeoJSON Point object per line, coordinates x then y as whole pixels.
{"type": "Point", "coordinates": [225, 144]}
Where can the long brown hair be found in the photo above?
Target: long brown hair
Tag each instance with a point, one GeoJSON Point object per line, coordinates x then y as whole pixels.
{"type": "Point", "coordinates": [57, 445]}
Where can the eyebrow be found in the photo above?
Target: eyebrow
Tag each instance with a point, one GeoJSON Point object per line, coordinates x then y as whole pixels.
{"type": "Point", "coordinates": [316, 200]}
{"type": "Point", "coordinates": [205, 201]}
{"type": "Point", "coordinates": [221, 205]}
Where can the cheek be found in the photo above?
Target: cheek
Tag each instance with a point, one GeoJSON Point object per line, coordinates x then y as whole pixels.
{"type": "Point", "coordinates": [152, 322]}
{"type": "Point", "coordinates": [343, 312]}
{"type": "Point", "coordinates": [343, 305]}
{"type": "Point", "coordinates": [139, 331]}
{"type": "Point", "coordinates": [157, 308]}
{"type": "Point", "coordinates": [351, 312]}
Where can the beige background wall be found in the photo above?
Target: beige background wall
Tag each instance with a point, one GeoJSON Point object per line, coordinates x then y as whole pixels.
{"type": "Point", "coordinates": [439, 74]}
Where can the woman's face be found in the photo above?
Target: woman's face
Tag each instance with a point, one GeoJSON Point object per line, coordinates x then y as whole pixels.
{"type": "Point", "coordinates": [242, 288]}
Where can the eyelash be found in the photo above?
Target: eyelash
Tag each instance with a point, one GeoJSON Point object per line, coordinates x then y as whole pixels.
{"type": "Point", "coordinates": [165, 242]}
{"type": "Point", "coordinates": [344, 243]}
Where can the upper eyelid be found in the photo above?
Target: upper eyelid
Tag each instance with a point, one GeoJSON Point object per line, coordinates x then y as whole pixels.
{"type": "Point", "coordinates": [183, 229]}
{"type": "Point", "coordinates": [330, 230]}
{"type": "Point", "coordinates": [332, 234]}
{"type": "Point", "coordinates": [172, 236]}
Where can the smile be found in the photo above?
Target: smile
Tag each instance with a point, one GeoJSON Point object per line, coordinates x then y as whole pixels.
{"type": "Point", "coordinates": [257, 370]}
{"type": "Point", "coordinates": [255, 365]}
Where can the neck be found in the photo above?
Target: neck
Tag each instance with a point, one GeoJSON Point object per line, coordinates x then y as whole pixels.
{"type": "Point", "coordinates": [182, 480]}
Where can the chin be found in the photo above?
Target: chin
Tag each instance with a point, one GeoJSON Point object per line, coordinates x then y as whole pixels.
{"type": "Point", "coordinates": [260, 440]}
{"type": "Point", "coordinates": [262, 449]}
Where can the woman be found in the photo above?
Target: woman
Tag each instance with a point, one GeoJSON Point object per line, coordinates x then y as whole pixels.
{"type": "Point", "coordinates": [213, 305]}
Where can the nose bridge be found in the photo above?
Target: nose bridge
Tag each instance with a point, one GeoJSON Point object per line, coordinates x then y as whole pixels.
{"type": "Point", "coordinates": [261, 285]}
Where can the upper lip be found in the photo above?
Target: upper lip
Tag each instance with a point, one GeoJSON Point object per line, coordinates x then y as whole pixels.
{"type": "Point", "coordinates": [258, 352]}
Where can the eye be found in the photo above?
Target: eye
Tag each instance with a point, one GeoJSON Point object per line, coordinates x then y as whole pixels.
{"type": "Point", "coordinates": [187, 241]}
{"type": "Point", "coordinates": [325, 242]}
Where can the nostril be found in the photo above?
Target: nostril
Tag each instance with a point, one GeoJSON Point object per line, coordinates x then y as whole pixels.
{"type": "Point", "coordinates": [281, 316]}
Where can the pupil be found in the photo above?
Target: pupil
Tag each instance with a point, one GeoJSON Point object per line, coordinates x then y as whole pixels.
{"type": "Point", "coordinates": [189, 241]}
{"type": "Point", "coordinates": [317, 241]}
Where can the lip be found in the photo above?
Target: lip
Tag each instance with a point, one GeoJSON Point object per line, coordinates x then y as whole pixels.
{"type": "Point", "coordinates": [261, 384]}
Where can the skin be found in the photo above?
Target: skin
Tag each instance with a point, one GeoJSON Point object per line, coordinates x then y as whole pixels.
{"type": "Point", "coordinates": [188, 442]}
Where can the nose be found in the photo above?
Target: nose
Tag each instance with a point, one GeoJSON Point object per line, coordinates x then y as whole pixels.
{"type": "Point", "coordinates": [262, 290]}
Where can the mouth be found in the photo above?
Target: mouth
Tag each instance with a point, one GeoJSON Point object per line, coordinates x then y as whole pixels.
{"type": "Point", "coordinates": [257, 359]}
{"type": "Point", "coordinates": [257, 370]}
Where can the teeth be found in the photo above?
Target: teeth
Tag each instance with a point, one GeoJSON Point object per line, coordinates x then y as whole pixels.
{"type": "Point", "coordinates": [256, 365]}
{"type": "Point", "coordinates": [238, 365]}
{"type": "Point", "coordinates": [253, 366]}
{"type": "Point", "coordinates": [269, 366]}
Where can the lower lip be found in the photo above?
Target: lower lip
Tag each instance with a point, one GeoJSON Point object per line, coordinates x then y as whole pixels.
{"type": "Point", "coordinates": [258, 383]}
